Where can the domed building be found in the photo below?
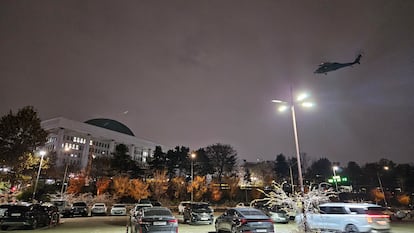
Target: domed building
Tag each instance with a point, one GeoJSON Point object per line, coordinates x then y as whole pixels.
{"type": "Point", "coordinates": [74, 142]}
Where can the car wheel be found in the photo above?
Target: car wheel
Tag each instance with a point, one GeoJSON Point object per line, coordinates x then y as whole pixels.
{"type": "Point", "coordinates": [233, 229]}
{"type": "Point", "coordinates": [34, 224]}
{"type": "Point", "coordinates": [351, 229]}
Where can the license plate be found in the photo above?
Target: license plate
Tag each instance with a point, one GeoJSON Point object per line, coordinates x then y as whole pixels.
{"type": "Point", "coordinates": [159, 223]}
{"type": "Point", "coordinates": [382, 222]}
{"type": "Point", "coordinates": [204, 219]}
{"type": "Point", "coordinates": [261, 230]}
{"type": "Point", "coordinates": [16, 214]}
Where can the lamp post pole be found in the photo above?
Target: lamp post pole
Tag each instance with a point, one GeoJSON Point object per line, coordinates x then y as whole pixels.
{"type": "Point", "coordinates": [64, 175]}
{"type": "Point", "coordinates": [381, 187]}
{"type": "Point", "coordinates": [42, 154]}
{"type": "Point", "coordinates": [295, 132]}
{"type": "Point", "coordinates": [63, 182]}
{"type": "Point", "coordinates": [193, 155]}
{"type": "Point", "coordinates": [334, 168]}
{"type": "Point", "coordinates": [283, 107]}
{"type": "Point", "coordinates": [300, 99]}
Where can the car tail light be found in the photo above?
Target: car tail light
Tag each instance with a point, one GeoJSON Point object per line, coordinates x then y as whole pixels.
{"type": "Point", "coordinates": [172, 221]}
{"type": "Point", "coordinates": [373, 216]}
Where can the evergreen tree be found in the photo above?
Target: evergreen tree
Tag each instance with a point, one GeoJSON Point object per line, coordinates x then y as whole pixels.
{"type": "Point", "coordinates": [20, 135]}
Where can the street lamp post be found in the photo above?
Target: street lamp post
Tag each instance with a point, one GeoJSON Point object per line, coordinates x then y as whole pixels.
{"type": "Point", "coordinates": [42, 154]}
{"type": "Point", "coordinates": [283, 107]}
{"type": "Point", "coordinates": [63, 181]}
{"type": "Point", "coordinates": [381, 187]}
{"type": "Point", "coordinates": [334, 168]}
{"type": "Point", "coordinates": [64, 175]}
{"type": "Point", "coordinates": [193, 155]}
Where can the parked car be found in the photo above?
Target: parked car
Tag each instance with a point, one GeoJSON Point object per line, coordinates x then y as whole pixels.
{"type": "Point", "coordinates": [118, 209]}
{"type": "Point", "coordinates": [244, 219]}
{"type": "Point", "coordinates": [348, 217]}
{"type": "Point", "coordinates": [98, 209]}
{"type": "Point", "coordinates": [182, 206]}
{"type": "Point", "coordinates": [278, 215]}
{"type": "Point", "coordinates": [198, 212]}
{"type": "Point", "coordinates": [154, 219]}
{"type": "Point", "coordinates": [53, 213]}
{"type": "Point", "coordinates": [138, 207]}
{"type": "Point", "coordinates": [60, 204]}
{"type": "Point", "coordinates": [77, 209]}
{"type": "Point", "coordinates": [30, 216]}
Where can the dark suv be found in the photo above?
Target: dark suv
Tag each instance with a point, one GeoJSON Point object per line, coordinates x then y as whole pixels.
{"type": "Point", "coordinates": [18, 215]}
{"type": "Point", "coordinates": [77, 209]}
{"type": "Point", "coordinates": [198, 212]}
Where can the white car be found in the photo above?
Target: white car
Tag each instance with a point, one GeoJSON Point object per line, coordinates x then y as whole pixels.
{"type": "Point", "coordinates": [348, 217]}
{"type": "Point", "coordinates": [98, 209]}
{"type": "Point", "coordinates": [182, 206]}
{"type": "Point", "coordinates": [118, 209]}
{"type": "Point", "coordinates": [138, 207]}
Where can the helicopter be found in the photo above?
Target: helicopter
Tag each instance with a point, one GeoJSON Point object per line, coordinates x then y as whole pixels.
{"type": "Point", "coordinates": [326, 67]}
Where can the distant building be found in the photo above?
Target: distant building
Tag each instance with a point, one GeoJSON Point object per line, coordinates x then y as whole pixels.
{"type": "Point", "coordinates": [72, 141]}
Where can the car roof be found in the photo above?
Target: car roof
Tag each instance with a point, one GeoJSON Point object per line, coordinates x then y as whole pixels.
{"type": "Point", "coordinates": [156, 208]}
{"type": "Point", "coordinates": [185, 202]}
{"type": "Point", "coordinates": [349, 204]}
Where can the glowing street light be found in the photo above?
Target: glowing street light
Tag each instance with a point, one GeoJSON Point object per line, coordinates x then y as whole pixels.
{"type": "Point", "coordinates": [284, 105]}
{"type": "Point", "coordinates": [385, 168]}
{"type": "Point", "coordinates": [42, 154]}
{"type": "Point", "coordinates": [193, 155]}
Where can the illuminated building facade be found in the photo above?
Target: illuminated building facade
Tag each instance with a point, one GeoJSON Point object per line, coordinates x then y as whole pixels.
{"type": "Point", "coordinates": [74, 142]}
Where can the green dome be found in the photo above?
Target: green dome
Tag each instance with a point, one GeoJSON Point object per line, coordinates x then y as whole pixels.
{"type": "Point", "coordinates": [111, 125]}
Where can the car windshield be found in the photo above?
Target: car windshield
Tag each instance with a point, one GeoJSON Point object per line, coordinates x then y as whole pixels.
{"type": "Point", "coordinates": [251, 213]}
{"type": "Point", "coordinates": [119, 206]}
{"type": "Point", "coordinates": [79, 204]}
{"type": "Point", "coordinates": [99, 205]}
{"type": "Point", "coordinates": [157, 212]}
{"type": "Point", "coordinates": [200, 206]}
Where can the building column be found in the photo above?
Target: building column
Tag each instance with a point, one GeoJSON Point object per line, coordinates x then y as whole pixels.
{"type": "Point", "coordinates": [60, 147]}
{"type": "Point", "coordinates": [85, 152]}
{"type": "Point", "coordinates": [111, 147]}
{"type": "Point", "coordinates": [132, 151]}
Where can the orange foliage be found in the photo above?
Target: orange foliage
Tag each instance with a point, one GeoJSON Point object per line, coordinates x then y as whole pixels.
{"type": "Point", "coordinates": [377, 195]}
{"type": "Point", "coordinates": [216, 193]}
{"type": "Point", "coordinates": [138, 189]}
{"type": "Point", "coordinates": [159, 184]}
{"type": "Point", "coordinates": [403, 199]}
{"type": "Point", "coordinates": [102, 185]}
{"type": "Point", "coordinates": [75, 185]}
{"type": "Point", "coordinates": [121, 186]}
{"type": "Point", "coordinates": [233, 183]}
{"type": "Point", "coordinates": [178, 184]}
{"type": "Point", "coordinates": [199, 186]}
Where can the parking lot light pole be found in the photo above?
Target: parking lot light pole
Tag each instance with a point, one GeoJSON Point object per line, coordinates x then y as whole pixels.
{"type": "Point", "coordinates": [283, 106]}
{"type": "Point", "coordinates": [193, 155]}
{"type": "Point", "coordinates": [386, 168]}
{"type": "Point", "coordinates": [334, 168]}
{"type": "Point", "coordinates": [64, 175]}
{"type": "Point", "coordinates": [42, 154]}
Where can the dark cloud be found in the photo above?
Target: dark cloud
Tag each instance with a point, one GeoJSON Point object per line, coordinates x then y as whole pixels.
{"type": "Point", "coordinates": [197, 73]}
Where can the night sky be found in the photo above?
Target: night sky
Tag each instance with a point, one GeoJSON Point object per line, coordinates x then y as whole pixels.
{"type": "Point", "coordinates": [195, 73]}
